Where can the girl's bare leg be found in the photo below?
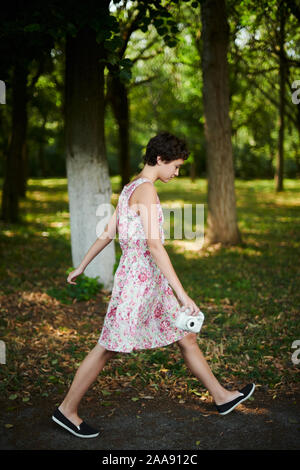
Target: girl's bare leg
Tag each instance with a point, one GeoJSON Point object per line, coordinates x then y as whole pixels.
{"type": "Point", "coordinates": [196, 362]}
{"type": "Point", "coordinates": [87, 372]}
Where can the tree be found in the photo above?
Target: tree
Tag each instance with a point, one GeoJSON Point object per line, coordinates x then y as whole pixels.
{"type": "Point", "coordinates": [221, 217]}
{"type": "Point", "coordinates": [282, 75]}
{"type": "Point", "coordinates": [14, 162]}
{"type": "Point", "coordinates": [22, 45]}
{"type": "Point", "coordinates": [137, 16]}
{"type": "Point", "coordinates": [87, 171]}
{"type": "Point", "coordinates": [268, 61]}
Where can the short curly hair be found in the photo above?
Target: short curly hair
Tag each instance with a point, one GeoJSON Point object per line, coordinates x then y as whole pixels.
{"type": "Point", "coordinates": [168, 146]}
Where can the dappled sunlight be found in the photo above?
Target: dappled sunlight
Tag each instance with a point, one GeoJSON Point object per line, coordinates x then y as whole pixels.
{"type": "Point", "coordinates": [195, 249]}
{"type": "Point", "coordinates": [58, 184]}
{"type": "Point", "coordinates": [62, 332]}
{"type": "Point", "coordinates": [56, 224]}
{"type": "Point", "coordinates": [244, 409]}
{"type": "Point", "coordinates": [190, 248]}
{"type": "Point", "coordinates": [253, 253]}
{"type": "Point", "coordinates": [38, 297]}
{"type": "Point", "coordinates": [9, 233]}
{"type": "Point", "coordinates": [46, 198]}
{"type": "Point", "coordinates": [169, 205]}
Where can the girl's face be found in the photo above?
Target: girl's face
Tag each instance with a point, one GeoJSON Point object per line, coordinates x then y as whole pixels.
{"type": "Point", "coordinates": [170, 169]}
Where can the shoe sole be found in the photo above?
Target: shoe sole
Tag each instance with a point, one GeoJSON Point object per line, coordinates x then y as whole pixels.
{"type": "Point", "coordinates": [71, 430]}
{"type": "Point", "coordinates": [234, 406]}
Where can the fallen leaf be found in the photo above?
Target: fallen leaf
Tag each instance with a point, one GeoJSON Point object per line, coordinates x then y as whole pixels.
{"type": "Point", "coordinates": [13, 397]}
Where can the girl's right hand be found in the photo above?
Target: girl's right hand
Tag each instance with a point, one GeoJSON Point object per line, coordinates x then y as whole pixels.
{"type": "Point", "coordinates": [187, 302]}
{"type": "Point", "coordinates": [73, 275]}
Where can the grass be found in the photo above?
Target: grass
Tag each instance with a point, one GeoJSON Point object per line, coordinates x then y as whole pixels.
{"type": "Point", "coordinates": [249, 293]}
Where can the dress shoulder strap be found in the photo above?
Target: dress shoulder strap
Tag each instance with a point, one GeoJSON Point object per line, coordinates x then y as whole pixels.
{"type": "Point", "coordinates": [134, 184]}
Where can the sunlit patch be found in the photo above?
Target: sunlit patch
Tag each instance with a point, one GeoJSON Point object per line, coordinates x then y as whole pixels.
{"type": "Point", "coordinates": [187, 247]}
{"type": "Point", "coordinates": [9, 233]}
{"type": "Point", "coordinates": [56, 224]}
{"type": "Point", "coordinates": [61, 331]}
{"type": "Point", "coordinates": [243, 408]}
{"type": "Point", "coordinates": [38, 297]}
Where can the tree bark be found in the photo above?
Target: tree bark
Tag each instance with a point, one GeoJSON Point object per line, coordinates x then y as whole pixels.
{"type": "Point", "coordinates": [221, 217]}
{"type": "Point", "coordinates": [41, 150]}
{"type": "Point", "coordinates": [89, 185]}
{"type": "Point", "coordinates": [282, 78]}
{"type": "Point", "coordinates": [118, 97]}
{"type": "Point", "coordinates": [24, 164]}
{"type": "Point", "coordinates": [13, 186]}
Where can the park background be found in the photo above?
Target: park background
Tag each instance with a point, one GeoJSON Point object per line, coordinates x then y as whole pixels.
{"type": "Point", "coordinates": [155, 75]}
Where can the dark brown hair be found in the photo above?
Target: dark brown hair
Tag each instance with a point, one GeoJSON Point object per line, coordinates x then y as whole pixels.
{"type": "Point", "coordinates": [168, 146]}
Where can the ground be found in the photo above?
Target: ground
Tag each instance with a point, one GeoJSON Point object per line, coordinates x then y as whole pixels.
{"type": "Point", "coordinates": [160, 424]}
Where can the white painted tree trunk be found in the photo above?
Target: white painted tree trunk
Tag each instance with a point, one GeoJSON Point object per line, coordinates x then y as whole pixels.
{"type": "Point", "coordinates": [87, 168]}
{"type": "Point", "coordinates": [90, 191]}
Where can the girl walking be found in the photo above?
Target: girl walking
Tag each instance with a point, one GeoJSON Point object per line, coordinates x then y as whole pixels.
{"type": "Point", "coordinates": [143, 307]}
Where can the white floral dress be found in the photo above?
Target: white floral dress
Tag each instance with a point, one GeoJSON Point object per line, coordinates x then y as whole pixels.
{"type": "Point", "coordinates": [142, 307]}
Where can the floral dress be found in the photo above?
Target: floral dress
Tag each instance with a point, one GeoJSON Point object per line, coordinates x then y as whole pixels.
{"type": "Point", "coordinates": [142, 308]}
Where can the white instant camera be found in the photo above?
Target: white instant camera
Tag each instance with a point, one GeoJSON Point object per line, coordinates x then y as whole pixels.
{"type": "Point", "coordinates": [189, 322]}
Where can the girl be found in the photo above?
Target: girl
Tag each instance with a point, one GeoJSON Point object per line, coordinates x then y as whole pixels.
{"type": "Point", "coordinates": [143, 306]}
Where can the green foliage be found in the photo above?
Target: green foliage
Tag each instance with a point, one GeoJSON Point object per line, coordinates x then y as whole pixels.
{"type": "Point", "coordinates": [85, 289]}
{"type": "Point", "coordinates": [165, 90]}
{"type": "Point", "coordinates": [248, 163]}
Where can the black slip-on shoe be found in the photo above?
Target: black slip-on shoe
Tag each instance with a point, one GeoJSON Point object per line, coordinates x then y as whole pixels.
{"type": "Point", "coordinates": [230, 405]}
{"type": "Point", "coordinates": [83, 430]}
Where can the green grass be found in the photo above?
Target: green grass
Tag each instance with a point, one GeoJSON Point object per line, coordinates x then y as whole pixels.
{"type": "Point", "coordinates": [250, 295]}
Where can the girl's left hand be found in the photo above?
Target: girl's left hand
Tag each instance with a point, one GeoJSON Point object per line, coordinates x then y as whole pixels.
{"type": "Point", "coordinates": [73, 275]}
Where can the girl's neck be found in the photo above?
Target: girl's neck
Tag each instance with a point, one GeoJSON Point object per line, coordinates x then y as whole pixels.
{"type": "Point", "coordinates": [149, 177]}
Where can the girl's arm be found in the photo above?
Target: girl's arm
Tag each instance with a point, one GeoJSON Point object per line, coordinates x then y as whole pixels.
{"type": "Point", "coordinates": [105, 238]}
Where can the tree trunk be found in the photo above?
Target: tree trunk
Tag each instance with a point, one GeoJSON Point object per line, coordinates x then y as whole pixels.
{"type": "Point", "coordinates": [118, 97]}
{"type": "Point", "coordinates": [24, 164]}
{"type": "Point", "coordinates": [89, 185]}
{"type": "Point", "coordinates": [41, 150]}
{"type": "Point", "coordinates": [41, 160]}
{"type": "Point", "coordinates": [221, 217]}
{"type": "Point", "coordinates": [282, 74]}
{"type": "Point", "coordinates": [13, 183]}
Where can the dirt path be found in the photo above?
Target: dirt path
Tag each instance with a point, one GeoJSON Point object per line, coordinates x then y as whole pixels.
{"type": "Point", "coordinates": [160, 423]}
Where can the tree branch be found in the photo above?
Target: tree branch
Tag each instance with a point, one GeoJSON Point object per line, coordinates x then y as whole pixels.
{"type": "Point", "coordinates": [142, 82]}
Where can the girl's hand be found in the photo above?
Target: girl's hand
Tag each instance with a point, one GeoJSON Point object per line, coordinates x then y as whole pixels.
{"type": "Point", "coordinates": [187, 302]}
{"type": "Point", "coordinates": [73, 275]}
